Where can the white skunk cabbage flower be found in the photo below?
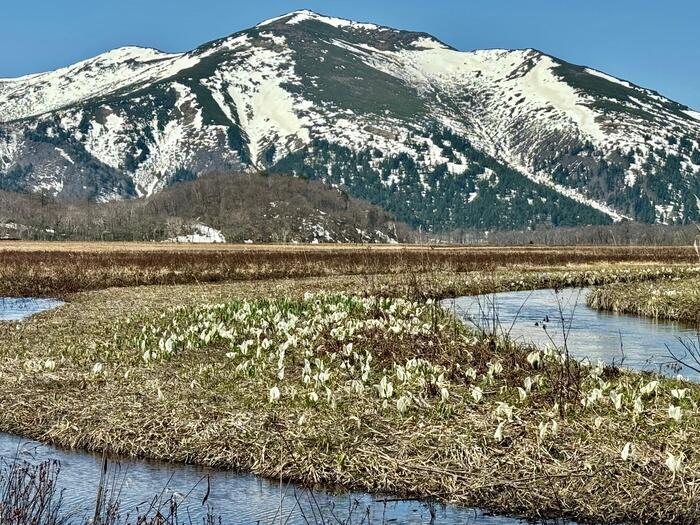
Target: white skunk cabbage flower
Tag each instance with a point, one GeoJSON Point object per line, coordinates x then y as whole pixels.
{"type": "Point", "coordinates": [444, 394]}
{"type": "Point", "coordinates": [98, 368]}
{"type": "Point", "coordinates": [616, 398]}
{"type": "Point", "coordinates": [357, 386]}
{"type": "Point", "coordinates": [522, 393]}
{"type": "Point", "coordinates": [50, 364]}
{"type": "Point", "coordinates": [593, 396]}
{"type": "Point", "coordinates": [495, 369]}
{"type": "Point", "coordinates": [649, 388]}
{"type": "Point", "coordinates": [534, 358]}
{"type": "Point", "coordinates": [679, 393]}
{"type": "Point", "coordinates": [477, 393]}
{"type": "Point", "coordinates": [385, 388]}
{"type": "Point", "coordinates": [274, 395]}
{"type": "Point", "coordinates": [504, 409]}
{"type": "Point", "coordinates": [498, 435]}
{"type": "Point", "coordinates": [627, 451]}
{"type": "Point", "coordinates": [543, 429]}
{"type": "Point", "coordinates": [403, 404]}
{"type": "Point", "coordinates": [674, 463]}
{"type": "Point", "coordinates": [675, 413]}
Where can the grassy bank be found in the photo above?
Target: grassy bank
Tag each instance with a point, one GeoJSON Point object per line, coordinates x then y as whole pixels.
{"type": "Point", "coordinates": [386, 395]}
{"type": "Point", "coordinates": [59, 269]}
{"type": "Point", "coordinates": [676, 299]}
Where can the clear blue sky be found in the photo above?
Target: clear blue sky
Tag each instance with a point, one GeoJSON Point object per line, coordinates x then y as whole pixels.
{"type": "Point", "coordinates": [652, 43]}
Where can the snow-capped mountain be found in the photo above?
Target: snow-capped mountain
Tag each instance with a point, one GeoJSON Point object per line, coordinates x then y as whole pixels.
{"type": "Point", "coordinates": [441, 138]}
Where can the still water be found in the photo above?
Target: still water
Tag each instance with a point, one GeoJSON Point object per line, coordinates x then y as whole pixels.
{"type": "Point", "coordinates": [17, 308]}
{"type": "Point", "coordinates": [236, 497]}
{"type": "Point", "coordinates": [546, 317]}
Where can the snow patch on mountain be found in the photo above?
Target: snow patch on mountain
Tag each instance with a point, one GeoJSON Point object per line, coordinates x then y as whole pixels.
{"type": "Point", "coordinates": [9, 149]}
{"type": "Point", "coordinates": [104, 140]}
{"type": "Point", "coordinates": [428, 43]}
{"type": "Point", "coordinates": [201, 233]}
{"type": "Point", "coordinates": [541, 83]}
{"type": "Point", "coordinates": [609, 78]}
{"type": "Point", "coordinates": [266, 111]}
{"type": "Point", "coordinates": [301, 16]}
{"type": "Point", "coordinates": [546, 180]}
{"type": "Point", "coordinates": [188, 106]}
{"type": "Point", "coordinates": [65, 155]}
{"type": "Point", "coordinates": [168, 153]}
{"type": "Point", "coordinates": [126, 67]}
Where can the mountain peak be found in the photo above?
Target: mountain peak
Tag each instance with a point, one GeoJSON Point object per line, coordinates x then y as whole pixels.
{"type": "Point", "coordinates": [445, 139]}
{"type": "Point", "coordinates": [302, 15]}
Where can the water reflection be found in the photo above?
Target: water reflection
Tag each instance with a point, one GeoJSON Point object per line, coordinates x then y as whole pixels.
{"type": "Point", "coordinates": [18, 308]}
{"type": "Point", "coordinates": [237, 497]}
{"type": "Point", "coordinates": [546, 317]}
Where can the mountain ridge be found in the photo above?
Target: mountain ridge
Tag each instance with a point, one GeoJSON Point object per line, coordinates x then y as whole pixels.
{"type": "Point", "coordinates": [573, 144]}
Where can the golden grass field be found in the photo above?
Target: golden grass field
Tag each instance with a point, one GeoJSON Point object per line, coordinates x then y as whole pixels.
{"type": "Point", "coordinates": [97, 373]}
{"type": "Point", "coordinates": [43, 268]}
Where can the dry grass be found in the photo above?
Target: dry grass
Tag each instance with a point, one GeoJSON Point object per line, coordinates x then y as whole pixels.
{"type": "Point", "coordinates": [677, 299]}
{"type": "Point", "coordinates": [58, 269]}
{"type": "Point", "coordinates": [204, 415]}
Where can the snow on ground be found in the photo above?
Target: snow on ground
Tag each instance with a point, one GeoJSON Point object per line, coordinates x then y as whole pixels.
{"type": "Point", "coordinates": [273, 20]}
{"type": "Point", "coordinates": [48, 184]}
{"type": "Point", "coordinates": [127, 66]}
{"type": "Point", "coordinates": [428, 43]}
{"type": "Point", "coordinates": [105, 141]}
{"type": "Point", "coordinates": [167, 154]}
{"type": "Point", "coordinates": [301, 16]}
{"type": "Point", "coordinates": [188, 106]}
{"type": "Point", "coordinates": [65, 155]}
{"type": "Point", "coordinates": [609, 78]}
{"type": "Point", "coordinates": [201, 234]}
{"type": "Point", "coordinates": [540, 83]}
{"type": "Point", "coordinates": [664, 213]}
{"type": "Point", "coordinates": [265, 109]}
{"type": "Point", "coordinates": [693, 114]}
{"type": "Point", "coordinates": [545, 179]}
{"type": "Point", "coordinates": [9, 149]}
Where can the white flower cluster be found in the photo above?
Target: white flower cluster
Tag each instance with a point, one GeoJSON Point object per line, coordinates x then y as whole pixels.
{"type": "Point", "coordinates": [310, 347]}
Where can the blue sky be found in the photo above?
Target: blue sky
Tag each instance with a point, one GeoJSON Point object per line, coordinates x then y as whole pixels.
{"type": "Point", "coordinates": [652, 43]}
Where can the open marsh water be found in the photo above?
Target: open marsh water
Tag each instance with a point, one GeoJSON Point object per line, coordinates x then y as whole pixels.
{"type": "Point", "coordinates": [236, 497]}
{"type": "Point", "coordinates": [545, 317]}
{"type": "Point", "coordinates": [16, 308]}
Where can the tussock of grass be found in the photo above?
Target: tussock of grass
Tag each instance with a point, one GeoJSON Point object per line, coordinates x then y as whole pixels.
{"type": "Point", "coordinates": [677, 299]}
